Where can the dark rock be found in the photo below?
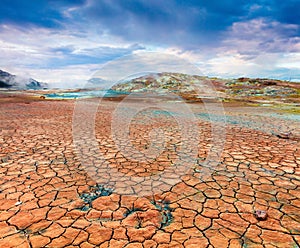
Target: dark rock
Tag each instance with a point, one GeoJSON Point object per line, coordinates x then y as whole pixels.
{"type": "Point", "coordinates": [286, 135]}
{"type": "Point", "coordinates": [243, 79]}
{"type": "Point", "coordinates": [260, 214]}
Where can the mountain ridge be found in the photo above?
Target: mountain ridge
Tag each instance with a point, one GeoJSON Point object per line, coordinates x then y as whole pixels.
{"type": "Point", "coordinates": [10, 81]}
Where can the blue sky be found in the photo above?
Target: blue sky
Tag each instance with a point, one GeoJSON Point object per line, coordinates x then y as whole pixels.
{"type": "Point", "coordinates": [65, 42]}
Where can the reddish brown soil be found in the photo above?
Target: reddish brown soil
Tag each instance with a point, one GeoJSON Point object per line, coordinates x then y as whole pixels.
{"type": "Point", "coordinates": [42, 181]}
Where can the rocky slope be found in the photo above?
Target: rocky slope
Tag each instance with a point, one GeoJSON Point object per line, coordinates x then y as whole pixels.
{"type": "Point", "coordinates": [10, 81]}
{"type": "Point", "coordinates": [189, 87]}
{"type": "Point", "coordinates": [194, 87]}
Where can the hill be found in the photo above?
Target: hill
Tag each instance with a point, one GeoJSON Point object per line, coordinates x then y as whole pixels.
{"type": "Point", "coordinates": [193, 87]}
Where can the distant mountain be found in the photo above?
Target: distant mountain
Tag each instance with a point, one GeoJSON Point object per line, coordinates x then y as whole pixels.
{"type": "Point", "coordinates": [10, 81]}
{"type": "Point", "coordinates": [98, 83]}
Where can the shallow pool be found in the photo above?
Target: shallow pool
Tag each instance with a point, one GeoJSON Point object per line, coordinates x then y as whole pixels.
{"type": "Point", "coordinates": [84, 94]}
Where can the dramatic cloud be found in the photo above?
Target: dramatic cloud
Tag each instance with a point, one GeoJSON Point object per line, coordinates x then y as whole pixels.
{"type": "Point", "coordinates": [223, 38]}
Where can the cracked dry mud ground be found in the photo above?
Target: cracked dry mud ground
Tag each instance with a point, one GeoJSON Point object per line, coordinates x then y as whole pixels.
{"type": "Point", "coordinates": [48, 200]}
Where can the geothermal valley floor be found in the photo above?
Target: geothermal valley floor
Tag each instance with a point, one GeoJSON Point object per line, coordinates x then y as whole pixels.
{"type": "Point", "coordinates": [50, 196]}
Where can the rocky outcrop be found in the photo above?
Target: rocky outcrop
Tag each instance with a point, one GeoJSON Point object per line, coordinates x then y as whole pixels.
{"type": "Point", "coordinates": [190, 87]}
{"type": "Point", "coordinates": [193, 87]}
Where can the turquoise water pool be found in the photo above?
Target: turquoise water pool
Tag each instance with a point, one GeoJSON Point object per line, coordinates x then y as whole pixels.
{"type": "Point", "coordinates": [84, 94]}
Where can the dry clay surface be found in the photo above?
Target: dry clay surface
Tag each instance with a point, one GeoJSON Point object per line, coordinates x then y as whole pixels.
{"type": "Point", "coordinates": [48, 199]}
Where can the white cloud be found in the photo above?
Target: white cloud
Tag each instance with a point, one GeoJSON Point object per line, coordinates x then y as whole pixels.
{"type": "Point", "coordinates": [50, 56]}
{"type": "Point", "coordinates": [261, 36]}
{"type": "Point", "coordinates": [230, 65]}
{"type": "Point", "coordinates": [291, 60]}
{"type": "Point", "coordinates": [65, 77]}
{"type": "Point", "coordinates": [256, 48]}
{"type": "Point", "coordinates": [145, 62]}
